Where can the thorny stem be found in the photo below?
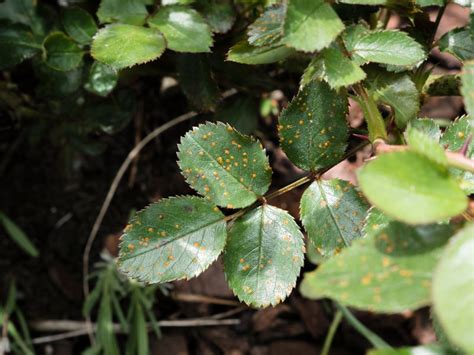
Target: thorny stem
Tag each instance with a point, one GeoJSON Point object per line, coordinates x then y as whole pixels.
{"type": "Point", "coordinates": [332, 331]}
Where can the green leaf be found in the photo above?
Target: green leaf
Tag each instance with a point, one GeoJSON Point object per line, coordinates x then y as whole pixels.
{"type": "Point", "coordinates": [197, 82]}
{"type": "Point", "coordinates": [427, 126]}
{"type": "Point", "coordinates": [311, 25]}
{"type": "Point", "coordinates": [57, 84]}
{"type": "Point", "coordinates": [239, 111]}
{"type": "Point", "coordinates": [219, 14]}
{"type": "Point", "coordinates": [398, 91]}
{"type": "Point", "coordinates": [244, 53]}
{"type": "Point", "coordinates": [467, 89]}
{"type": "Point", "coordinates": [172, 239]}
{"type": "Point", "coordinates": [459, 43]}
{"type": "Point", "coordinates": [121, 46]}
{"type": "Point", "coordinates": [442, 85]}
{"type": "Point", "coordinates": [176, 2]}
{"type": "Point", "coordinates": [389, 271]}
{"type": "Point", "coordinates": [452, 289]}
{"type": "Point", "coordinates": [17, 44]}
{"type": "Point", "coordinates": [18, 236]}
{"type": "Point", "coordinates": [21, 11]}
{"type": "Point", "coordinates": [383, 46]}
{"type": "Point", "coordinates": [339, 70]}
{"type": "Point", "coordinates": [267, 30]}
{"type": "Point", "coordinates": [184, 29]}
{"type": "Point", "coordinates": [61, 52]}
{"type": "Point", "coordinates": [131, 12]}
{"type": "Point", "coordinates": [313, 129]}
{"type": "Point", "coordinates": [230, 169]}
{"type": "Point", "coordinates": [425, 145]}
{"type": "Point", "coordinates": [430, 349]}
{"type": "Point", "coordinates": [263, 256]}
{"type": "Point", "coordinates": [333, 213]}
{"type": "Point", "coordinates": [425, 3]}
{"type": "Point", "coordinates": [102, 79]}
{"type": "Point", "coordinates": [454, 137]}
{"type": "Point", "coordinates": [79, 24]}
{"type": "Point", "coordinates": [393, 183]}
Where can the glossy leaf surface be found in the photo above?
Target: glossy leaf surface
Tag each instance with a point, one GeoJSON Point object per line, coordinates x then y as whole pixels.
{"type": "Point", "coordinates": [245, 53]}
{"type": "Point", "coordinates": [17, 43]}
{"type": "Point", "coordinates": [79, 24]}
{"type": "Point", "coordinates": [264, 255]}
{"type": "Point", "coordinates": [172, 239]}
{"type": "Point", "coordinates": [226, 167]}
{"type": "Point", "coordinates": [102, 79]}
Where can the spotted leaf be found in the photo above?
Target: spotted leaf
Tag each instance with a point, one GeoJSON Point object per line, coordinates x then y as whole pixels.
{"type": "Point", "coordinates": [172, 239]}
{"type": "Point", "coordinates": [264, 255]}
{"type": "Point", "coordinates": [333, 213]}
{"type": "Point", "coordinates": [313, 129]}
{"type": "Point", "coordinates": [268, 28]}
{"type": "Point", "coordinates": [228, 168]}
{"type": "Point", "coordinates": [390, 270]}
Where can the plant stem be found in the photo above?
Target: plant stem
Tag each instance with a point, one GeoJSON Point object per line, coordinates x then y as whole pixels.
{"type": "Point", "coordinates": [373, 338]}
{"type": "Point", "coordinates": [332, 331]}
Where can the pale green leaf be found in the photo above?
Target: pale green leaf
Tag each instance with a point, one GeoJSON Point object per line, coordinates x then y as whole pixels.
{"type": "Point", "coordinates": [467, 89]}
{"type": "Point", "coordinates": [454, 138]}
{"type": "Point", "coordinates": [79, 24]}
{"type": "Point", "coordinates": [184, 29]}
{"type": "Point", "coordinates": [197, 82]}
{"type": "Point", "coordinates": [311, 25]}
{"type": "Point", "coordinates": [120, 45]}
{"type": "Point", "coordinates": [263, 256]}
{"type": "Point", "coordinates": [453, 289]}
{"type": "Point", "coordinates": [313, 128]}
{"type": "Point", "coordinates": [244, 53]}
{"type": "Point", "coordinates": [340, 71]}
{"type": "Point", "coordinates": [17, 44]}
{"type": "Point", "coordinates": [458, 42]}
{"type": "Point", "coordinates": [267, 30]}
{"type": "Point", "coordinates": [428, 126]}
{"type": "Point", "coordinates": [431, 349]}
{"type": "Point", "coordinates": [172, 239]}
{"type": "Point", "coordinates": [393, 183]}
{"type": "Point", "coordinates": [390, 270]}
{"type": "Point", "coordinates": [333, 213]}
{"type": "Point", "coordinates": [18, 236]}
{"type": "Point", "coordinates": [398, 91]}
{"type": "Point", "coordinates": [226, 167]}
{"type": "Point", "coordinates": [176, 2]}
{"type": "Point", "coordinates": [102, 79]}
{"type": "Point", "coordinates": [131, 12]}
{"type": "Point", "coordinates": [426, 146]}
{"type": "Point", "coordinates": [61, 52]}
{"type": "Point", "coordinates": [425, 3]}
{"type": "Point", "coordinates": [383, 46]}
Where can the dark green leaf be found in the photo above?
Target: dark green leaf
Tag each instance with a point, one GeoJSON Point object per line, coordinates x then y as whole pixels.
{"type": "Point", "coordinates": [397, 91]}
{"type": "Point", "coordinates": [79, 25]}
{"type": "Point", "coordinates": [333, 213]}
{"type": "Point", "coordinates": [57, 84]}
{"type": "Point", "coordinates": [230, 169]}
{"type": "Point", "coordinates": [121, 45]}
{"type": "Point", "coordinates": [459, 43]}
{"type": "Point", "coordinates": [443, 85]}
{"type": "Point", "coordinates": [102, 79]}
{"type": "Point", "coordinates": [240, 112]}
{"type": "Point", "coordinates": [219, 14]}
{"type": "Point", "coordinates": [184, 29]}
{"type": "Point", "coordinates": [21, 11]}
{"type": "Point", "coordinates": [61, 52]}
{"type": "Point", "coordinates": [18, 236]}
{"type": "Point", "coordinates": [311, 25]}
{"type": "Point", "coordinates": [132, 12]}
{"type": "Point", "coordinates": [452, 289]}
{"type": "Point", "coordinates": [383, 46]}
{"type": "Point", "coordinates": [388, 271]}
{"type": "Point", "coordinates": [264, 255]}
{"type": "Point", "coordinates": [244, 53]}
{"type": "Point", "coordinates": [17, 43]}
{"type": "Point", "coordinates": [467, 88]}
{"type": "Point", "coordinates": [313, 128]}
{"type": "Point", "coordinates": [267, 30]}
{"type": "Point", "coordinates": [197, 82]}
{"type": "Point", "coordinates": [172, 239]}
{"type": "Point", "coordinates": [393, 183]}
